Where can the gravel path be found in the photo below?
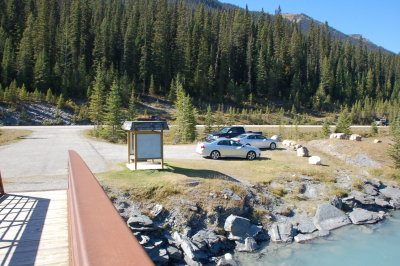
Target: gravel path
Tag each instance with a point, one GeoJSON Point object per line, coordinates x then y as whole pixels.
{"type": "Point", "coordinates": [40, 161]}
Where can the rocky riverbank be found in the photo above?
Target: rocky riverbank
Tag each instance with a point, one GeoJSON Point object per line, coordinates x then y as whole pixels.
{"type": "Point", "coordinates": [187, 233]}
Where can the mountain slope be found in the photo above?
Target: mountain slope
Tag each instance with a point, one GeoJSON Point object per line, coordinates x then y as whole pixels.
{"type": "Point", "coordinates": [305, 23]}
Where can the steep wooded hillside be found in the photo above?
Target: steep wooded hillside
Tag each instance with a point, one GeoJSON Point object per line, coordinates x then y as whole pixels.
{"type": "Point", "coordinates": [219, 54]}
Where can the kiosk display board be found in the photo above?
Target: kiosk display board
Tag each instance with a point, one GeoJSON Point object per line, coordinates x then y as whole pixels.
{"type": "Point", "coordinates": [149, 146]}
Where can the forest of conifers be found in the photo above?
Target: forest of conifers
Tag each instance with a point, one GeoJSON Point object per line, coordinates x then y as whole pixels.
{"type": "Point", "coordinates": [220, 55]}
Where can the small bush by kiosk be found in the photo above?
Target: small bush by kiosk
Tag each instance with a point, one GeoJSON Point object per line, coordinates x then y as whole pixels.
{"type": "Point", "coordinates": [145, 141]}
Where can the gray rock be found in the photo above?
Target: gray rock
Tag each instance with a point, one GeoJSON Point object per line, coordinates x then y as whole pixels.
{"type": "Point", "coordinates": [329, 217]}
{"type": "Point", "coordinates": [391, 192]}
{"type": "Point", "coordinates": [227, 260]}
{"type": "Point", "coordinates": [174, 253]}
{"type": "Point", "coordinates": [301, 238]}
{"type": "Point", "coordinates": [376, 182]}
{"type": "Point", "coordinates": [140, 223]}
{"type": "Point", "coordinates": [207, 238]}
{"type": "Point", "coordinates": [190, 250]}
{"type": "Point", "coordinates": [248, 245]}
{"type": "Point", "coordinates": [156, 210]}
{"type": "Point", "coordinates": [371, 190]}
{"type": "Point", "coordinates": [302, 152]}
{"type": "Point", "coordinates": [363, 198]}
{"type": "Point", "coordinates": [281, 232]}
{"type": "Point", "coordinates": [231, 194]}
{"type": "Point", "coordinates": [382, 203]}
{"type": "Point", "coordinates": [335, 201]}
{"type": "Point", "coordinates": [144, 240]}
{"type": "Point", "coordinates": [240, 228]}
{"type": "Point", "coordinates": [395, 204]}
{"type": "Point", "coordinates": [305, 225]}
{"type": "Point", "coordinates": [159, 256]}
{"type": "Point", "coordinates": [361, 216]}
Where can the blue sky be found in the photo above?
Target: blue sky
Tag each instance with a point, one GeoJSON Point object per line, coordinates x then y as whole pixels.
{"type": "Point", "coordinates": [378, 21]}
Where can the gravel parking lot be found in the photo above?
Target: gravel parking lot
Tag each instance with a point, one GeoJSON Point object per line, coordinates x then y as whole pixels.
{"type": "Point", "coordinates": [40, 161]}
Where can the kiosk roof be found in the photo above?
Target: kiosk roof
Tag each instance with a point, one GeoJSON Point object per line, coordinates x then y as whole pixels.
{"type": "Point", "coordinates": [145, 125]}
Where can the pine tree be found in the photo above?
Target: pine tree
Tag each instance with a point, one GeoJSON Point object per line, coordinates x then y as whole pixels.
{"type": "Point", "coordinates": [49, 96]}
{"type": "Point", "coordinates": [60, 102]}
{"type": "Point", "coordinates": [185, 116]}
{"type": "Point", "coordinates": [394, 148]}
{"type": "Point", "coordinates": [326, 130]}
{"type": "Point", "coordinates": [373, 129]}
{"type": "Point", "coordinates": [344, 122]}
{"type": "Point", "coordinates": [112, 116]}
{"type": "Point", "coordinates": [42, 71]}
{"type": "Point", "coordinates": [97, 98]}
{"type": "Point", "coordinates": [208, 121]}
{"type": "Point", "coordinates": [132, 107]}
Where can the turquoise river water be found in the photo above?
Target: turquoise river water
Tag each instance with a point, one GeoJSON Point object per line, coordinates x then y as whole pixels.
{"type": "Point", "coordinates": [352, 245]}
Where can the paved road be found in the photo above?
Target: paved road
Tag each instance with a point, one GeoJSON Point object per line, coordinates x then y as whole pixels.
{"type": "Point", "coordinates": [44, 154]}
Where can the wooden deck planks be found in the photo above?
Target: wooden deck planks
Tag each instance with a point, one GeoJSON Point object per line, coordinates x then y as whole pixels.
{"type": "Point", "coordinates": [34, 228]}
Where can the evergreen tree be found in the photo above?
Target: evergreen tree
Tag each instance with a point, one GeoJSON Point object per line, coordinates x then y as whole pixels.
{"type": "Point", "coordinates": [373, 129]}
{"type": "Point", "coordinates": [112, 116]}
{"type": "Point", "coordinates": [185, 116]}
{"type": "Point", "coordinates": [97, 98]}
{"type": "Point", "coordinates": [394, 147]}
{"type": "Point", "coordinates": [326, 130]}
{"type": "Point", "coordinates": [344, 122]}
{"type": "Point", "coordinates": [208, 121]}
{"type": "Point", "coordinates": [132, 107]}
{"type": "Point", "coordinates": [60, 102]}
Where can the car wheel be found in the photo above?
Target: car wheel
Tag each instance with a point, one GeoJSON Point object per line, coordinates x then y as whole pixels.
{"type": "Point", "coordinates": [215, 155]}
{"type": "Point", "coordinates": [272, 146]}
{"type": "Point", "coordinates": [248, 144]}
{"type": "Point", "coordinates": [251, 155]}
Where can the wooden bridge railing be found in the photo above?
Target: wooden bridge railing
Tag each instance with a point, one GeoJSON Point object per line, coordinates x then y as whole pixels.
{"type": "Point", "coordinates": [2, 192]}
{"type": "Point", "coordinates": [98, 235]}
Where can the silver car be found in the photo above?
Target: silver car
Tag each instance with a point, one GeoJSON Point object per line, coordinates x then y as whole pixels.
{"type": "Point", "coordinates": [256, 140]}
{"type": "Point", "coordinates": [224, 147]}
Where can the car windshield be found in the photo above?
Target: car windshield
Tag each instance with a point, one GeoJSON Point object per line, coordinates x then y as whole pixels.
{"type": "Point", "coordinates": [224, 130]}
{"type": "Point", "coordinates": [242, 136]}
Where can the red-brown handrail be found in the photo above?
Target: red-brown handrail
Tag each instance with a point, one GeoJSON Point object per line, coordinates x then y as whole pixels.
{"type": "Point", "coordinates": [2, 192]}
{"type": "Point", "coordinates": [98, 235]}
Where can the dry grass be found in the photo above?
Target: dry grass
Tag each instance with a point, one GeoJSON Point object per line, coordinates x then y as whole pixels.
{"type": "Point", "coordinates": [8, 136]}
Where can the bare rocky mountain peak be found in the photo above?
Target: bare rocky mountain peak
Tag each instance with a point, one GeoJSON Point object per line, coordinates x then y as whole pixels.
{"type": "Point", "coordinates": [305, 22]}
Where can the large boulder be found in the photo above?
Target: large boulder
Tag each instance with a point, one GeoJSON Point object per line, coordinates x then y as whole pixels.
{"type": "Point", "coordinates": [370, 190]}
{"type": "Point", "coordinates": [192, 253]}
{"type": "Point", "coordinates": [276, 138]}
{"type": "Point", "coordinates": [315, 160]}
{"type": "Point", "coordinates": [363, 198]}
{"type": "Point", "coordinates": [361, 216]}
{"type": "Point", "coordinates": [302, 152]}
{"type": "Point", "coordinates": [341, 136]}
{"type": "Point", "coordinates": [239, 228]}
{"type": "Point", "coordinates": [207, 238]}
{"type": "Point", "coordinates": [301, 238]}
{"type": "Point", "coordinates": [140, 223]}
{"type": "Point", "coordinates": [281, 232]}
{"type": "Point", "coordinates": [393, 194]}
{"type": "Point", "coordinates": [335, 201]}
{"type": "Point", "coordinates": [305, 225]}
{"type": "Point", "coordinates": [329, 217]}
{"type": "Point", "coordinates": [355, 137]}
{"type": "Point", "coordinates": [248, 245]}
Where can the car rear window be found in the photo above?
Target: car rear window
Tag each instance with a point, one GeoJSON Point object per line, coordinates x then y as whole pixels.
{"type": "Point", "coordinates": [242, 136]}
{"type": "Point", "coordinates": [210, 140]}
